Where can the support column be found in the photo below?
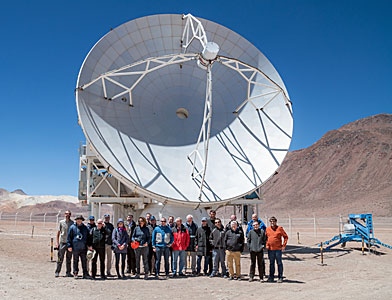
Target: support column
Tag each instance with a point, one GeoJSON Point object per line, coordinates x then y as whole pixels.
{"type": "Point", "coordinates": [116, 213]}
{"type": "Point", "coordinates": [94, 210]}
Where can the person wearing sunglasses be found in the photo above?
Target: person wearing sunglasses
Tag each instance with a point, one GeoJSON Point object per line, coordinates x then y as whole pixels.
{"type": "Point", "coordinates": [61, 245]}
{"type": "Point", "coordinates": [162, 239]}
{"type": "Point", "coordinates": [274, 235]}
{"type": "Point", "coordinates": [234, 242]}
{"type": "Point", "coordinates": [96, 241]}
{"type": "Point", "coordinates": [256, 244]}
{"type": "Point", "coordinates": [180, 244]}
{"type": "Point", "coordinates": [152, 256]}
{"type": "Point", "coordinates": [217, 239]}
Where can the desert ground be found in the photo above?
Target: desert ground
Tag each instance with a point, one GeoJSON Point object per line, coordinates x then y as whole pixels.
{"type": "Point", "coordinates": [28, 273]}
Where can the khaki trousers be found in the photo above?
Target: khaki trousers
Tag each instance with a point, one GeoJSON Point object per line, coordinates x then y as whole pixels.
{"type": "Point", "coordinates": [236, 255]}
{"type": "Point", "coordinates": [108, 252]}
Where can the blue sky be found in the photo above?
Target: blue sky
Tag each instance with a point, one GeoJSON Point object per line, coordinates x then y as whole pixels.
{"type": "Point", "coordinates": [335, 58]}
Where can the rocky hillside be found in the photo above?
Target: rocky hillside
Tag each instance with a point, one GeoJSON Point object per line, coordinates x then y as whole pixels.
{"type": "Point", "coordinates": [16, 200]}
{"type": "Point", "coordinates": [349, 170]}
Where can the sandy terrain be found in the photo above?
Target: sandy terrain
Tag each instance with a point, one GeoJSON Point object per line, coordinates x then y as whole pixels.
{"type": "Point", "coordinates": [27, 273]}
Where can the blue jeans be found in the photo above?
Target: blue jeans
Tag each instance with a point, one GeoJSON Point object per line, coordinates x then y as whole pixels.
{"type": "Point", "coordinates": [206, 261]}
{"type": "Point", "coordinates": [218, 257]}
{"type": "Point", "coordinates": [176, 254]}
{"type": "Point", "coordinates": [165, 251]}
{"type": "Point", "coordinates": [272, 256]}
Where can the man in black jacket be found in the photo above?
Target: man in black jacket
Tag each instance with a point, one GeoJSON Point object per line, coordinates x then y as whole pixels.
{"type": "Point", "coordinates": [234, 242]}
{"type": "Point", "coordinates": [228, 225]}
{"type": "Point", "coordinates": [152, 256]}
{"type": "Point", "coordinates": [217, 239]}
{"type": "Point", "coordinates": [108, 244]}
{"type": "Point", "coordinates": [203, 246]}
{"type": "Point", "coordinates": [256, 244]}
{"type": "Point", "coordinates": [211, 224]}
{"type": "Point", "coordinates": [131, 258]}
{"type": "Point", "coordinates": [96, 241]}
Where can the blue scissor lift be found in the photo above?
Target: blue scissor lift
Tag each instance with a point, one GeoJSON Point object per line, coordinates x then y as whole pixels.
{"type": "Point", "coordinates": [360, 225]}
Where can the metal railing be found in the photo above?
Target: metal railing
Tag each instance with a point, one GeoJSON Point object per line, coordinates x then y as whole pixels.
{"type": "Point", "coordinates": [311, 226]}
{"type": "Point", "coordinates": [39, 220]}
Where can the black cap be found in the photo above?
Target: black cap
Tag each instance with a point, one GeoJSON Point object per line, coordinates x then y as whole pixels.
{"type": "Point", "coordinates": [79, 218]}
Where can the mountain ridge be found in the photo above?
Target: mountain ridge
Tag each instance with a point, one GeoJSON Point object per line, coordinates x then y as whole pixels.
{"type": "Point", "coordinates": [347, 170]}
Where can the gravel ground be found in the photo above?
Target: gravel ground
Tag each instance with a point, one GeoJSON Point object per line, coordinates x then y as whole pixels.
{"type": "Point", "coordinates": [27, 273]}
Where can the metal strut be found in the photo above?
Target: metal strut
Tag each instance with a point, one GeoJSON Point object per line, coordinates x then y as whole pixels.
{"type": "Point", "coordinates": [204, 136]}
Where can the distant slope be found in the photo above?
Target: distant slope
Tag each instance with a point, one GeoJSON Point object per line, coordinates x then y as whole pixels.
{"type": "Point", "coordinates": [349, 170]}
{"type": "Point", "coordinates": [12, 201]}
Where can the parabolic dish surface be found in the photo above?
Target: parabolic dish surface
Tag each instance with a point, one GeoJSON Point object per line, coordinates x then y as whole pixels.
{"type": "Point", "coordinates": [147, 144]}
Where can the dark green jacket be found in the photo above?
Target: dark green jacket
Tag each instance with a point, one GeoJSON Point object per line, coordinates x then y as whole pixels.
{"type": "Point", "coordinates": [97, 237]}
{"type": "Point", "coordinates": [256, 240]}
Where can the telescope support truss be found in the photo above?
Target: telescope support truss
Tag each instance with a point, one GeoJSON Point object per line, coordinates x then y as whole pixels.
{"type": "Point", "coordinates": [204, 136]}
{"type": "Point", "coordinates": [150, 65]}
{"type": "Point", "coordinates": [193, 30]}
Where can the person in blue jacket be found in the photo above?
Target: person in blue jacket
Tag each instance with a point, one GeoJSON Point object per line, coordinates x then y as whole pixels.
{"type": "Point", "coordinates": [162, 239]}
{"type": "Point", "coordinates": [250, 224]}
{"type": "Point", "coordinates": [120, 239]}
{"type": "Point", "coordinates": [77, 244]}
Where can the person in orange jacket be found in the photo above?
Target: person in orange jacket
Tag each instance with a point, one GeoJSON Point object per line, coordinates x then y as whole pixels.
{"type": "Point", "coordinates": [180, 244]}
{"type": "Point", "coordinates": [274, 235]}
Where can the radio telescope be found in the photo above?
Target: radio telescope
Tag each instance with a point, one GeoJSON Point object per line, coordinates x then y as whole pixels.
{"type": "Point", "coordinates": [179, 111]}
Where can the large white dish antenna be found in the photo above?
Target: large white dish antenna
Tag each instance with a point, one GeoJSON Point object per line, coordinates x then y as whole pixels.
{"type": "Point", "coordinates": [184, 110]}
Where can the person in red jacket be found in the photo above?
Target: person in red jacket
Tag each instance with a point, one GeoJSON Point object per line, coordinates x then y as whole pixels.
{"type": "Point", "coordinates": [274, 235]}
{"type": "Point", "coordinates": [181, 242]}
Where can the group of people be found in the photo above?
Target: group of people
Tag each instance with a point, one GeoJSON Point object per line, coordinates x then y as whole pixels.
{"type": "Point", "coordinates": [176, 241]}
